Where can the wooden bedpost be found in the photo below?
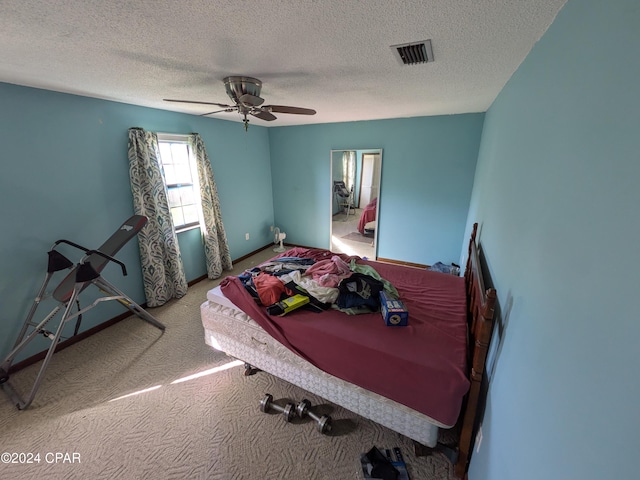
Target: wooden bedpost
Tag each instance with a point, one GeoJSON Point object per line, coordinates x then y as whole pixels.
{"type": "Point", "coordinates": [468, 268]}
{"type": "Point", "coordinates": [481, 310]}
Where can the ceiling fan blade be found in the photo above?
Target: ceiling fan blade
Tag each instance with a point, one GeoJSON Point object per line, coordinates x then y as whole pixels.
{"type": "Point", "coordinates": [196, 102]}
{"type": "Point", "coordinates": [230, 109]}
{"type": "Point", "coordinates": [293, 110]}
{"type": "Point", "coordinates": [248, 99]}
{"type": "Point", "coordinates": [264, 115]}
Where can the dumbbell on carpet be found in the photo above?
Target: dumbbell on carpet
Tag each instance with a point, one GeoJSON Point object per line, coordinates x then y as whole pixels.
{"type": "Point", "coordinates": [288, 411]}
{"type": "Point", "coordinates": [324, 422]}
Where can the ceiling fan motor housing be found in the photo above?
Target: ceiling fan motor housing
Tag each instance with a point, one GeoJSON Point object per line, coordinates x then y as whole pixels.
{"type": "Point", "coordinates": [238, 86]}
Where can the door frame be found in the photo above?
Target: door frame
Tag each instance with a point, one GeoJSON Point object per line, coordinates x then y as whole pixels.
{"type": "Point", "coordinates": [378, 180]}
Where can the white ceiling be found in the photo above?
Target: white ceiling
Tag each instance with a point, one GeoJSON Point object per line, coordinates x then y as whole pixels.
{"type": "Point", "coordinates": [329, 55]}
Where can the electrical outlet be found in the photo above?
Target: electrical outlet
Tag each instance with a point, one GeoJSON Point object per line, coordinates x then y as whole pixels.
{"type": "Point", "coordinates": [478, 439]}
{"type": "Point", "coordinates": [271, 228]}
{"type": "Point", "coordinates": [246, 236]}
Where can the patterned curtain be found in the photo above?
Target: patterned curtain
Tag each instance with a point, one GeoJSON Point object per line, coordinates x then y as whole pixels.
{"type": "Point", "coordinates": [349, 169]}
{"type": "Point", "coordinates": [214, 237]}
{"type": "Point", "coordinates": [162, 269]}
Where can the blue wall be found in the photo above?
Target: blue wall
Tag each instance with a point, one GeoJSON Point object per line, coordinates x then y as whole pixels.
{"type": "Point", "coordinates": [65, 175]}
{"type": "Point", "coordinates": [556, 194]}
{"type": "Point", "coordinates": [428, 165]}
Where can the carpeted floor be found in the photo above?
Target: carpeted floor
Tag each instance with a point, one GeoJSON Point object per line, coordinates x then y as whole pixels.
{"type": "Point", "coordinates": [358, 237]}
{"type": "Point", "coordinates": [345, 237]}
{"type": "Point", "coordinates": [209, 427]}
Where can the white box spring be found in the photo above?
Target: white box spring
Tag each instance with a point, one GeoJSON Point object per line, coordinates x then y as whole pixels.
{"type": "Point", "coordinates": [230, 330]}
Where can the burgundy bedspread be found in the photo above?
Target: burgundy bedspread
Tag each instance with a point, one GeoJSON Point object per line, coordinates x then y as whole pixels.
{"type": "Point", "coordinates": [422, 365]}
{"type": "Point", "coordinates": [368, 214]}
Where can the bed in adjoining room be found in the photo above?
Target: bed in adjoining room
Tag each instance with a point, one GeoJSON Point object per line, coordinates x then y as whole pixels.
{"type": "Point", "coordinates": [413, 379]}
{"type": "Point", "coordinates": [368, 218]}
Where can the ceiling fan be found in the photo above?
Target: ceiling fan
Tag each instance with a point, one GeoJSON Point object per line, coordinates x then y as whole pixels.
{"type": "Point", "coordinates": [245, 93]}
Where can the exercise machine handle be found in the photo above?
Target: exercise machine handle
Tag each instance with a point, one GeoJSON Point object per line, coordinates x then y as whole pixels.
{"type": "Point", "coordinates": [108, 257]}
{"type": "Point", "coordinates": [90, 252]}
{"type": "Point", "coordinates": [62, 240]}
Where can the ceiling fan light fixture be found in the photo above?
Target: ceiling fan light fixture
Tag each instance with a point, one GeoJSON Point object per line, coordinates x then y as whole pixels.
{"type": "Point", "coordinates": [413, 53]}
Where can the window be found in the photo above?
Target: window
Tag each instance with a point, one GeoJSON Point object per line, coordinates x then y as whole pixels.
{"type": "Point", "coordinates": [180, 177]}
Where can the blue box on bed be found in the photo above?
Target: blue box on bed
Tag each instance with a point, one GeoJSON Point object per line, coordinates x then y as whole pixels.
{"type": "Point", "coordinates": [394, 312]}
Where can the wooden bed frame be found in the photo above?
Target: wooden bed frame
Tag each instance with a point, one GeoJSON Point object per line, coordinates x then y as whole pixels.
{"type": "Point", "coordinates": [481, 304]}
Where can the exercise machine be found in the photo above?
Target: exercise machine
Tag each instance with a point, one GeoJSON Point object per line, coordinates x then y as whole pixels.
{"type": "Point", "coordinates": [344, 197]}
{"type": "Point", "coordinates": [83, 274]}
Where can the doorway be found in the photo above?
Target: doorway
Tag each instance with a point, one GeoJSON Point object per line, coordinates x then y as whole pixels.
{"type": "Point", "coordinates": [369, 178]}
{"type": "Point", "coordinates": [354, 212]}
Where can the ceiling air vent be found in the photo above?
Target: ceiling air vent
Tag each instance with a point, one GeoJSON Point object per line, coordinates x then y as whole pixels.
{"type": "Point", "coordinates": [413, 53]}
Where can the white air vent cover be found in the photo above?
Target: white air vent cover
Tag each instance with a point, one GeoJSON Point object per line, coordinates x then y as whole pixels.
{"type": "Point", "coordinates": [413, 53]}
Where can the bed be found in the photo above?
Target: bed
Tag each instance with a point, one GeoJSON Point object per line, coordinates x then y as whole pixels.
{"type": "Point", "coordinates": [414, 380]}
{"type": "Point", "coordinates": [368, 217]}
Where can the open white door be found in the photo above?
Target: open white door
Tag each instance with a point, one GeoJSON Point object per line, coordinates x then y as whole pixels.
{"type": "Point", "coordinates": [369, 186]}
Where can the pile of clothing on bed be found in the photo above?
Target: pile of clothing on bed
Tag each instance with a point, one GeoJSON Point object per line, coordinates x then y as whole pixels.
{"type": "Point", "coordinates": [329, 280]}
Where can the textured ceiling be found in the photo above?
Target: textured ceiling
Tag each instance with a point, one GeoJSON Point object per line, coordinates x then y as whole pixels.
{"type": "Point", "coordinates": [329, 55]}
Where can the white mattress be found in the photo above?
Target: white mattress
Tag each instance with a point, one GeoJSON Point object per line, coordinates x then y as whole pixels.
{"type": "Point", "coordinates": [232, 331]}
